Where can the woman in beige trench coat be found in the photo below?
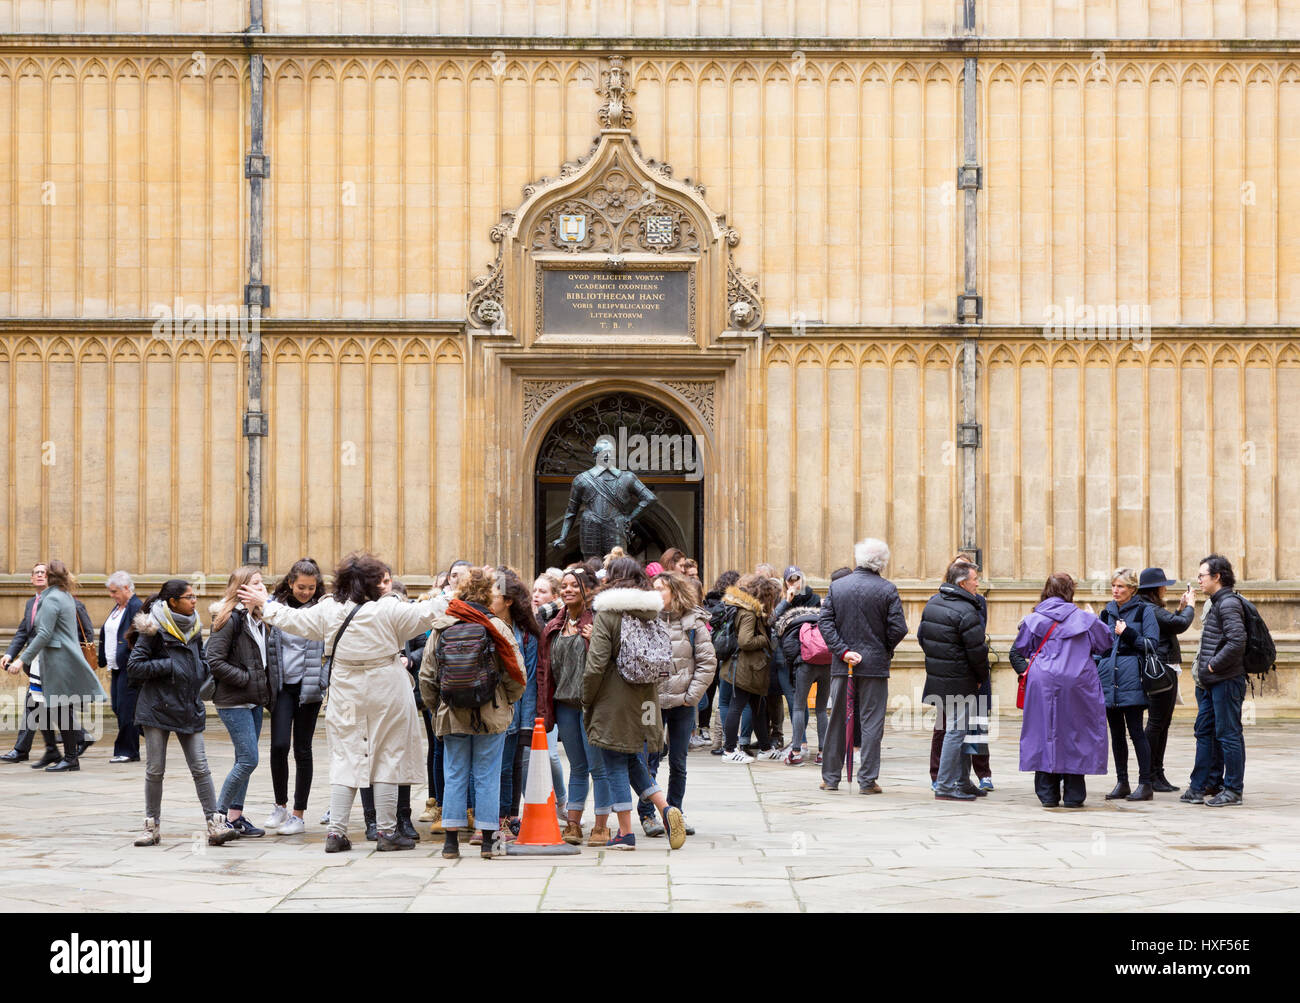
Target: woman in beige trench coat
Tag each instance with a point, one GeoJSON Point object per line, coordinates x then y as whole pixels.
{"type": "Point", "coordinates": [374, 730]}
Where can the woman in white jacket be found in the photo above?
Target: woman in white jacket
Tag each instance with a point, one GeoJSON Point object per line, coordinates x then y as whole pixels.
{"type": "Point", "coordinates": [371, 720]}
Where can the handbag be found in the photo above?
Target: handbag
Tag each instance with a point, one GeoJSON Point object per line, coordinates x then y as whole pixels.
{"type": "Point", "coordinates": [1024, 676]}
{"type": "Point", "coordinates": [1157, 676]}
{"type": "Point", "coordinates": [89, 649]}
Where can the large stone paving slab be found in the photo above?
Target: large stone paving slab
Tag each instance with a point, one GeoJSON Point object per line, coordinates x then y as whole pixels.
{"type": "Point", "coordinates": [767, 841]}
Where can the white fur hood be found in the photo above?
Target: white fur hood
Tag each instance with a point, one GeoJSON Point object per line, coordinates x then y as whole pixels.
{"type": "Point", "coordinates": [629, 601]}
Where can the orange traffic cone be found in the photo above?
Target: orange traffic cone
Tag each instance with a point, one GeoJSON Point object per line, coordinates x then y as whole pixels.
{"type": "Point", "coordinates": [539, 833]}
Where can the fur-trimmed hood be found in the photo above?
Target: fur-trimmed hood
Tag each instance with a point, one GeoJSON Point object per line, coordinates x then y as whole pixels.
{"type": "Point", "coordinates": [794, 616]}
{"type": "Point", "coordinates": [735, 597]}
{"type": "Point", "coordinates": [145, 624]}
{"type": "Point", "coordinates": [636, 601]}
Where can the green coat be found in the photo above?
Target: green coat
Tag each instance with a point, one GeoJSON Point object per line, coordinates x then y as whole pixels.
{"type": "Point", "coordinates": [754, 645]}
{"type": "Point", "coordinates": [64, 672]}
{"type": "Point", "coordinates": [619, 716]}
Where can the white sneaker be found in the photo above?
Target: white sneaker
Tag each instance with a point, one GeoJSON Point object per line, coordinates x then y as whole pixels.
{"type": "Point", "coordinates": [325, 819]}
{"type": "Point", "coordinates": [276, 818]}
{"type": "Point", "coordinates": [292, 826]}
{"type": "Point", "coordinates": [773, 754]}
{"type": "Point", "coordinates": [736, 757]}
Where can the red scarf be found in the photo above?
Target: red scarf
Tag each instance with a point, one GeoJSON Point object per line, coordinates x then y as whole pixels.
{"type": "Point", "coordinates": [505, 647]}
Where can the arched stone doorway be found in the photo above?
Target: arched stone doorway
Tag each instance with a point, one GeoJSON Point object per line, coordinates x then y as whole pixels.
{"type": "Point", "coordinates": [654, 442]}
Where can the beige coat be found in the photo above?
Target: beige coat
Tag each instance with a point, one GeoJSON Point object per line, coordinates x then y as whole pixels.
{"type": "Point", "coordinates": [693, 668]}
{"type": "Point", "coordinates": [374, 729]}
{"type": "Point", "coordinates": [448, 720]}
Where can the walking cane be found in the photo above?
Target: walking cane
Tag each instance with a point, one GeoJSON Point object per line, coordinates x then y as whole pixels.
{"type": "Point", "coordinates": [849, 713]}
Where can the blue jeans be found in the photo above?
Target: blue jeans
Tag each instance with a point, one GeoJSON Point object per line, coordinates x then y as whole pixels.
{"type": "Point", "coordinates": [1220, 745]}
{"type": "Point", "coordinates": [245, 727]}
{"type": "Point", "coordinates": [725, 692]}
{"type": "Point", "coordinates": [954, 761]}
{"type": "Point", "coordinates": [584, 763]}
{"type": "Point", "coordinates": [471, 760]}
{"type": "Point", "coordinates": [680, 721]}
{"type": "Point", "coordinates": [625, 773]}
{"type": "Point", "coordinates": [506, 786]}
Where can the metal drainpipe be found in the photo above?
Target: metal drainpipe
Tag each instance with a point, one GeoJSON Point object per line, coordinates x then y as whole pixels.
{"type": "Point", "coordinates": [256, 294]}
{"type": "Point", "coordinates": [970, 307]}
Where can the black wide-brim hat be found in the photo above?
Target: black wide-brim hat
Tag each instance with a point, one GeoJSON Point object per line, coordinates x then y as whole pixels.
{"type": "Point", "coordinates": [1153, 578]}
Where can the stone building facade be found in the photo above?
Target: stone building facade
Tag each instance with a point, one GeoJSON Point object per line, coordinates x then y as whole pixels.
{"type": "Point", "coordinates": [1051, 314]}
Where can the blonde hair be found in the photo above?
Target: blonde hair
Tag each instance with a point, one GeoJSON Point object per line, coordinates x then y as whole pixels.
{"type": "Point", "coordinates": [1125, 576]}
{"type": "Point", "coordinates": [238, 577]}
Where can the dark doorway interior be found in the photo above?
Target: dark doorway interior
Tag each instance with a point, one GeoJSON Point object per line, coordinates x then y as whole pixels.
{"type": "Point", "coordinates": [675, 520]}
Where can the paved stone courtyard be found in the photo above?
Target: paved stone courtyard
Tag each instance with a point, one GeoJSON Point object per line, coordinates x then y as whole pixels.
{"type": "Point", "coordinates": [767, 840]}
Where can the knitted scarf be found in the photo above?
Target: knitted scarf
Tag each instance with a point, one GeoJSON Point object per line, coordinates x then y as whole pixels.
{"type": "Point", "coordinates": [179, 626]}
{"type": "Point", "coordinates": [505, 647]}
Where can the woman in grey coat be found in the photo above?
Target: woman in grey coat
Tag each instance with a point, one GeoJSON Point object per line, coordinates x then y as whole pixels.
{"type": "Point", "coordinates": [65, 682]}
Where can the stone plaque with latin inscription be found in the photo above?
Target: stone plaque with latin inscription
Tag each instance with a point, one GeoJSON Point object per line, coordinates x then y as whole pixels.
{"type": "Point", "coordinates": [635, 301]}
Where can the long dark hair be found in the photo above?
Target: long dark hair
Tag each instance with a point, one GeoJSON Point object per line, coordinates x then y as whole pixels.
{"type": "Point", "coordinates": [304, 566]}
{"type": "Point", "coordinates": [521, 602]}
{"type": "Point", "coordinates": [626, 573]}
{"type": "Point", "coordinates": [357, 578]}
{"type": "Point", "coordinates": [173, 588]}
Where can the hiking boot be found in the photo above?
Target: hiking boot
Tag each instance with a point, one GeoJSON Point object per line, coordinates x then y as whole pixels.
{"type": "Point", "coordinates": [385, 841]}
{"type": "Point", "coordinates": [572, 833]}
{"type": "Point", "coordinates": [652, 826]}
{"type": "Point", "coordinates": [430, 811]}
{"type": "Point", "coordinates": [599, 836]}
{"type": "Point", "coordinates": [336, 842]}
{"type": "Point", "coordinates": [435, 817]}
{"type": "Point", "coordinates": [220, 830]}
{"type": "Point", "coordinates": [151, 834]}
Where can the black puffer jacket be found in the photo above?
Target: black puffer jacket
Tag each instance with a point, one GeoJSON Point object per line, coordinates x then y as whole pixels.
{"type": "Point", "coordinates": [237, 665]}
{"type": "Point", "coordinates": [1223, 639]}
{"type": "Point", "coordinates": [952, 636]}
{"type": "Point", "coordinates": [169, 676]}
{"type": "Point", "coordinates": [1171, 624]}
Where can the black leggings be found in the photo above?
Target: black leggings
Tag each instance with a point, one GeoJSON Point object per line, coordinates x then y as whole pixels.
{"type": "Point", "coordinates": [758, 719]}
{"type": "Point", "coordinates": [289, 717]}
{"type": "Point", "coordinates": [707, 706]}
{"type": "Point", "coordinates": [1131, 717]}
{"type": "Point", "coordinates": [1158, 720]}
{"type": "Point", "coordinates": [431, 757]}
{"type": "Point", "coordinates": [403, 798]}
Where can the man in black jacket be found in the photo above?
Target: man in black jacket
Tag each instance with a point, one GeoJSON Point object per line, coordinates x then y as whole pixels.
{"type": "Point", "coordinates": [956, 664]}
{"type": "Point", "coordinates": [1220, 676]}
{"type": "Point", "coordinates": [862, 622]}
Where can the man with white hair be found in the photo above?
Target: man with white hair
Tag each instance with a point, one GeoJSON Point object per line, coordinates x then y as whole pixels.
{"type": "Point", "coordinates": [862, 622]}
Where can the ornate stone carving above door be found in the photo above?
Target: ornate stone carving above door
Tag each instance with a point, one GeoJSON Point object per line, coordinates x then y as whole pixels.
{"type": "Point", "coordinates": [699, 394]}
{"type": "Point", "coordinates": [613, 209]}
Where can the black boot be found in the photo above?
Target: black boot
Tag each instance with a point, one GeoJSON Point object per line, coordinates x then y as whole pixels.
{"type": "Point", "coordinates": [1143, 793]}
{"type": "Point", "coordinates": [372, 831]}
{"type": "Point", "coordinates": [51, 756]}
{"type": "Point", "coordinates": [1122, 790]}
{"type": "Point", "coordinates": [404, 826]}
{"type": "Point", "coordinates": [451, 844]}
{"type": "Point", "coordinates": [1161, 785]}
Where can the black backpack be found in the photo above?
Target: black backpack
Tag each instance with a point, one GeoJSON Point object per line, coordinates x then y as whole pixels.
{"type": "Point", "coordinates": [724, 623]}
{"type": "Point", "coordinates": [1261, 653]}
{"type": "Point", "coordinates": [467, 665]}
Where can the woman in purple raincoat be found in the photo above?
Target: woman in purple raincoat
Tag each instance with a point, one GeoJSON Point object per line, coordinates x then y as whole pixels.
{"type": "Point", "coordinates": [1063, 734]}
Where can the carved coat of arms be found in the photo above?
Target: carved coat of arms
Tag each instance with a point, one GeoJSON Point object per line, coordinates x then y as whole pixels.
{"type": "Point", "coordinates": [573, 228]}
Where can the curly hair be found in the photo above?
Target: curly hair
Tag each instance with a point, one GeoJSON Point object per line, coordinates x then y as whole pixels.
{"type": "Point", "coordinates": [762, 588]}
{"type": "Point", "coordinates": [476, 588]}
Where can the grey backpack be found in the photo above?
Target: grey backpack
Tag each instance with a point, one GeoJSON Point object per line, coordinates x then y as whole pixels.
{"type": "Point", "coordinates": [645, 652]}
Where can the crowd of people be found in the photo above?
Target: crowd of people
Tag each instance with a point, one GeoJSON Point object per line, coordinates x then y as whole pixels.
{"type": "Point", "coordinates": [619, 663]}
